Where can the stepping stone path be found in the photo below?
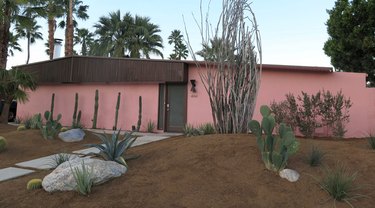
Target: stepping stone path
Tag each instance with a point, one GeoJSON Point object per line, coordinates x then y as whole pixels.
{"type": "Point", "coordinates": [10, 173]}
{"type": "Point", "coordinates": [44, 163]}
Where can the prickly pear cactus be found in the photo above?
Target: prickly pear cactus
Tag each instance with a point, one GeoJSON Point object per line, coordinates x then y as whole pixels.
{"type": "Point", "coordinates": [275, 149]}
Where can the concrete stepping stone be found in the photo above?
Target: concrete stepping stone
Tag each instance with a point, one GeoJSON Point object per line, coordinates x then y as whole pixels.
{"type": "Point", "coordinates": [87, 151]}
{"type": "Point", "coordinates": [43, 163]}
{"type": "Point", "coordinates": [9, 173]}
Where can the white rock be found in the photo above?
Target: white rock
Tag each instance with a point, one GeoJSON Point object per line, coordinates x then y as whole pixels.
{"type": "Point", "coordinates": [289, 174]}
{"type": "Point", "coordinates": [62, 179]}
{"type": "Point", "coordinates": [72, 135]}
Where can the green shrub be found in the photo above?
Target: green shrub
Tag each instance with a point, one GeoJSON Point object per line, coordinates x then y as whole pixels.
{"type": "Point", "coordinates": [59, 158]}
{"type": "Point", "coordinates": [34, 184]}
{"type": "Point", "coordinates": [113, 149]}
{"type": "Point", "coordinates": [150, 126]}
{"type": "Point", "coordinates": [83, 178]}
{"type": "Point", "coordinates": [339, 183]}
{"type": "Point", "coordinates": [190, 130]}
{"type": "Point", "coordinates": [3, 144]}
{"type": "Point", "coordinates": [315, 156]}
{"type": "Point", "coordinates": [206, 128]}
{"type": "Point", "coordinates": [371, 141]}
{"type": "Point", "coordinates": [275, 150]}
{"type": "Point", "coordinates": [21, 127]}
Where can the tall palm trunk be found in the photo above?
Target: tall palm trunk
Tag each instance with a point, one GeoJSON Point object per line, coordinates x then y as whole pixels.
{"type": "Point", "coordinates": [69, 31]}
{"type": "Point", "coordinates": [5, 111]}
{"type": "Point", "coordinates": [4, 36]}
{"type": "Point", "coordinates": [28, 47]}
{"type": "Point", "coordinates": [51, 36]}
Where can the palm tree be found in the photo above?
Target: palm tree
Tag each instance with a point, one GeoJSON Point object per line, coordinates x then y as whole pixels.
{"type": "Point", "coordinates": [145, 39]}
{"type": "Point", "coordinates": [13, 85]}
{"type": "Point", "coordinates": [13, 44]}
{"type": "Point", "coordinates": [72, 8]}
{"type": "Point", "coordinates": [9, 10]}
{"type": "Point", "coordinates": [180, 49]}
{"type": "Point", "coordinates": [135, 36]}
{"type": "Point", "coordinates": [29, 30]}
{"type": "Point", "coordinates": [113, 32]}
{"type": "Point", "coordinates": [215, 49]}
{"type": "Point", "coordinates": [85, 38]}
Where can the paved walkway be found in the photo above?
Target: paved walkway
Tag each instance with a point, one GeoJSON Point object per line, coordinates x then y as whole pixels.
{"type": "Point", "coordinates": [46, 162]}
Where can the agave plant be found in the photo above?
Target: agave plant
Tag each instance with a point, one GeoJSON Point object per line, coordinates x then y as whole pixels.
{"type": "Point", "coordinates": [111, 148]}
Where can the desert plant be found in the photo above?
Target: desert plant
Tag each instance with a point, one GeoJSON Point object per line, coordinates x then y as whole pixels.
{"type": "Point", "coordinates": [37, 121]}
{"type": "Point", "coordinates": [83, 178]}
{"type": "Point", "coordinates": [189, 130]}
{"type": "Point", "coordinates": [59, 158]}
{"type": "Point", "coordinates": [371, 141]}
{"type": "Point", "coordinates": [96, 107]}
{"type": "Point", "coordinates": [18, 120]}
{"type": "Point", "coordinates": [315, 156]}
{"type": "Point", "coordinates": [3, 144]}
{"type": "Point", "coordinates": [112, 149]}
{"type": "Point", "coordinates": [206, 128]}
{"type": "Point", "coordinates": [117, 108]}
{"type": "Point", "coordinates": [64, 129]}
{"type": "Point", "coordinates": [76, 119]}
{"type": "Point", "coordinates": [52, 105]}
{"type": "Point", "coordinates": [21, 127]}
{"type": "Point", "coordinates": [33, 184]}
{"type": "Point", "coordinates": [150, 126]}
{"type": "Point", "coordinates": [51, 127]}
{"type": "Point", "coordinates": [27, 122]}
{"type": "Point", "coordinates": [339, 183]}
{"type": "Point", "coordinates": [275, 150]}
{"type": "Point", "coordinates": [139, 114]}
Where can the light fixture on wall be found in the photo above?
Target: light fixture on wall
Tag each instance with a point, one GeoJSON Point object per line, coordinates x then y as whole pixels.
{"type": "Point", "coordinates": [193, 85]}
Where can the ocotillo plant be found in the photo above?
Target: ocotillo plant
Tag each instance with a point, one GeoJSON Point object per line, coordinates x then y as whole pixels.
{"type": "Point", "coordinates": [96, 107]}
{"type": "Point", "coordinates": [52, 105]}
{"type": "Point", "coordinates": [117, 107]}
{"type": "Point", "coordinates": [139, 114]}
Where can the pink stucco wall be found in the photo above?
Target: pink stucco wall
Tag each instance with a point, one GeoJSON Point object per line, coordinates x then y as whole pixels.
{"type": "Point", "coordinates": [40, 101]}
{"type": "Point", "coordinates": [276, 84]}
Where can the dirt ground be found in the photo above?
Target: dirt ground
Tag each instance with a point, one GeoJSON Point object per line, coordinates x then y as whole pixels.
{"type": "Point", "coordinates": [205, 171]}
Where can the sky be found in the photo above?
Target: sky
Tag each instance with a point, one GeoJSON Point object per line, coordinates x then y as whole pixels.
{"type": "Point", "coordinates": [292, 32]}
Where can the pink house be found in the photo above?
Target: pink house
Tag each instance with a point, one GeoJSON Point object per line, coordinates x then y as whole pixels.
{"type": "Point", "coordinates": [166, 89]}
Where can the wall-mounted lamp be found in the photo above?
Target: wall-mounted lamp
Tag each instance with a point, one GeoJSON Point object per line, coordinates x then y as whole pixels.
{"type": "Point", "coordinates": [193, 85]}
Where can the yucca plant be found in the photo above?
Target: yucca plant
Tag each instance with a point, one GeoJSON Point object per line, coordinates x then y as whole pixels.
{"type": "Point", "coordinates": [315, 156]}
{"type": "Point", "coordinates": [59, 158]}
{"type": "Point", "coordinates": [83, 178]}
{"type": "Point", "coordinates": [150, 126]}
{"type": "Point", "coordinates": [190, 130]}
{"type": "Point", "coordinates": [339, 183]}
{"type": "Point", "coordinates": [206, 128]}
{"type": "Point", "coordinates": [113, 149]}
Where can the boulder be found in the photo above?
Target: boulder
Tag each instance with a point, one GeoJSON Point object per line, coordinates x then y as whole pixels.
{"type": "Point", "coordinates": [289, 174]}
{"type": "Point", "coordinates": [62, 179]}
{"type": "Point", "coordinates": [73, 135]}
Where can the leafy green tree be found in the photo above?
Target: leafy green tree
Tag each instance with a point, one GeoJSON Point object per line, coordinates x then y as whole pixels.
{"type": "Point", "coordinates": [84, 37]}
{"type": "Point", "coordinates": [180, 49]}
{"type": "Point", "coordinates": [351, 45]}
{"type": "Point", "coordinates": [13, 85]}
{"type": "Point", "coordinates": [127, 36]}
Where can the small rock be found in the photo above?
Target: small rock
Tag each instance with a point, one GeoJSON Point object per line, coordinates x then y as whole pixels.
{"type": "Point", "coordinates": [62, 179]}
{"type": "Point", "coordinates": [289, 174]}
{"type": "Point", "coordinates": [73, 135]}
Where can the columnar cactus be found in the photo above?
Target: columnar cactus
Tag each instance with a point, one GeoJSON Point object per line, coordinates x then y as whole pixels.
{"type": "Point", "coordinates": [52, 105]}
{"type": "Point", "coordinates": [74, 124]}
{"type": "Point", "coordinates": [139, 114]}
{"type": "Point", "coordinates": [275, 149]}
{"type": "Point", "coordinates": [117, 108]}
{"type": "Point", "coordinates": [96, 107]}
